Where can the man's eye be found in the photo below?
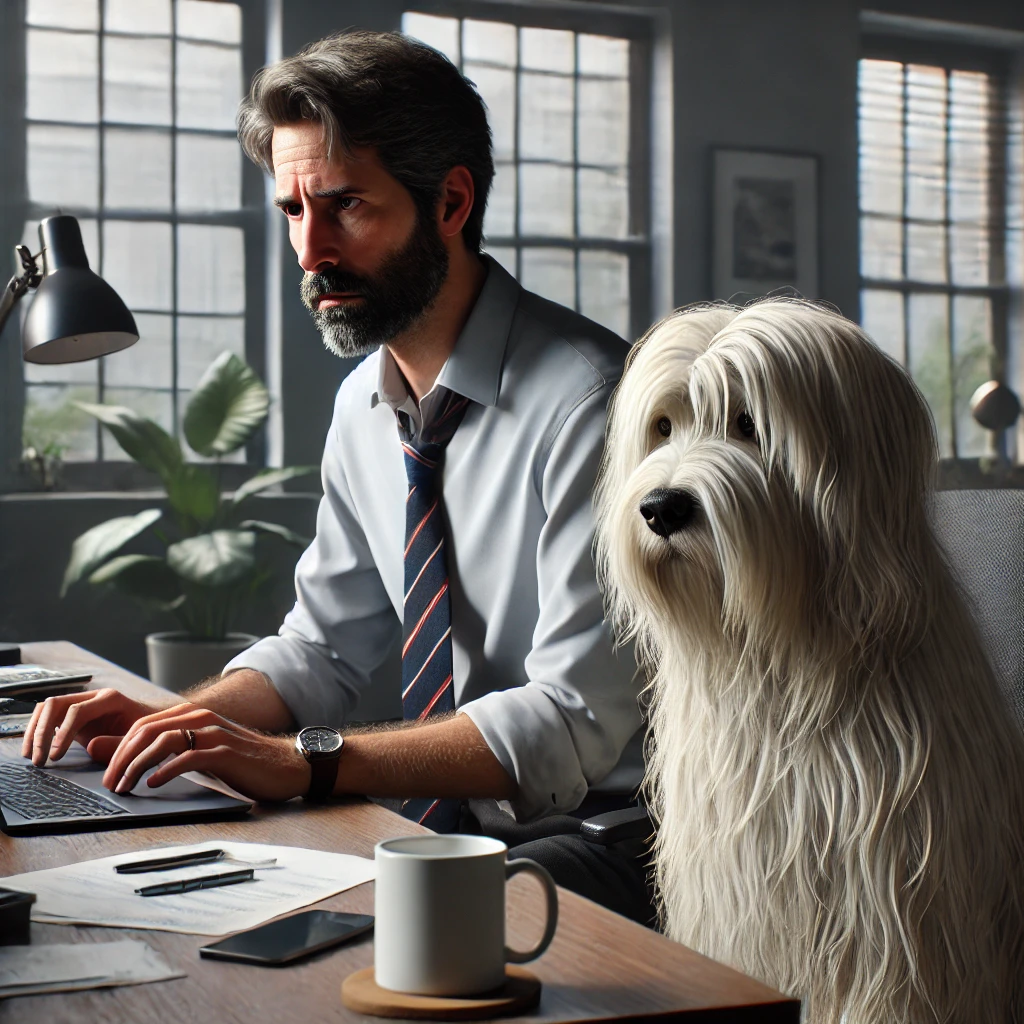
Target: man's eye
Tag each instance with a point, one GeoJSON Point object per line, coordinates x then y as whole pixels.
{"type": "Point", "coordinates": [348, 202]}
{"type": "Point", "coordinates": [292, 209]}
{"type": "Point", "coordinates": [745, 424]}
{"type": "Point", "coordinates": [664, 426]}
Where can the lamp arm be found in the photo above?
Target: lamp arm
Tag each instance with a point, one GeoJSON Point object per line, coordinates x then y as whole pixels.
{"type": "Point", "coordinates": [18, 286]}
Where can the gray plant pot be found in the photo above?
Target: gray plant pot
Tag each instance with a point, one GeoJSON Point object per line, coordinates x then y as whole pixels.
{"type": "Point", "coordinates": [178, 661]}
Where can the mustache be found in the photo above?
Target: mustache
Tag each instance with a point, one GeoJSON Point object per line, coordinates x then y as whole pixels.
{"type": "Point", "coordinates": [324, 282]}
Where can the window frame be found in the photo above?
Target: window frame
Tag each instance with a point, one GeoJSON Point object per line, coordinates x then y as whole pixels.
{"type": "Point", "coordinates": [123, 475]}
{"type": "Point", "coordinates": [997, 64]}
{"type": "Point", "coordinates": [639, 244]}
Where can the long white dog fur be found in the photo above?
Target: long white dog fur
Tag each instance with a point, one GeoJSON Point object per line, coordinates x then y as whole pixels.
{"type": "Point", "coordinates": [837, 780]}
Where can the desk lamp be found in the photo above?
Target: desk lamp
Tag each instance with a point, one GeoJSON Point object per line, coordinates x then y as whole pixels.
{"type": "Point", "coordinates": [76, 315]}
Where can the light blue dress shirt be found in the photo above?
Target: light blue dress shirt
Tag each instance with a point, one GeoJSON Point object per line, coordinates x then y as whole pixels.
{"type": "Point", "coordinates": [533, 660]}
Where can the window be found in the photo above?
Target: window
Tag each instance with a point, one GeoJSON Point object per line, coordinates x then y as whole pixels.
{"type": "Point", "coordinates": [935, 138]}
{"type": "Point", "coordinates": [130, 127]}
{"type": "Point", "coordinates": [566, 213]}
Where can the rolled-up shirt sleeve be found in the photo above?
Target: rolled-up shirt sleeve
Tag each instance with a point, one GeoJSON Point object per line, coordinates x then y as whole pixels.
{"type": "Point", "coordinates": [566, 728]}
{"type": "Point", "coordinates": [342, 624]}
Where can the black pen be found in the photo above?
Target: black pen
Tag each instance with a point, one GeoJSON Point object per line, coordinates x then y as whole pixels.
{"type": "Point", "coordinates": [203, 882]}
{"type": "Point", "coordinates": [138, 867]}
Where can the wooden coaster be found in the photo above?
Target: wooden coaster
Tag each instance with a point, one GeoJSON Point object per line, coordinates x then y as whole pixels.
{"type": "Point", "coordinates": [360, 992]}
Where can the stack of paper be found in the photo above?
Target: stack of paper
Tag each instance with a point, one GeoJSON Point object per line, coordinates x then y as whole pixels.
{"type": "Point", "coordinates": [92, 892]}
{"type": "Point", "coordinates": [36, 970]}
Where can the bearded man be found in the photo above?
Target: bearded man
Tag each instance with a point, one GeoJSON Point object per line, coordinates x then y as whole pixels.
{"type": "Point", "coordinates": [456, 513]}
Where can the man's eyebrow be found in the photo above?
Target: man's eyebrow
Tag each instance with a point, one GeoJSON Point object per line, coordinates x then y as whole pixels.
{"type": "Point", "coordinates": [327, 193]}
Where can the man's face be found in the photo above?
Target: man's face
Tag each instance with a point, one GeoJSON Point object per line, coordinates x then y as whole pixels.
{"type": "Point", "coordinates": [373, 263]}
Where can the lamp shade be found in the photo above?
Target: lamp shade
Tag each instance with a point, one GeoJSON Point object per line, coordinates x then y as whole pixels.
{"type": "Point", "coordinates": [75, 315]}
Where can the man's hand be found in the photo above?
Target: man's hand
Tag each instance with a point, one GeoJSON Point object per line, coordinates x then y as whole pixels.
{"type": "Point", "coordinates": [97, 718]}
{"type": "Point", "coordinates": [259, 766]}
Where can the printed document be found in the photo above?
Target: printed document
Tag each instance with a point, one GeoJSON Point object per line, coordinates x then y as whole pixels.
{"type": "Point", "coordinates": [92, 892]}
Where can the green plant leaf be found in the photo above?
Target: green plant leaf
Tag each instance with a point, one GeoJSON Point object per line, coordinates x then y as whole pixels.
{"type": "Point", "coordinates": [193, 492]}
{"type": "Point", "coordinates": [267, 478]}
{"type": "Point", "coordinates": [142, 439]}
{"type": "Point", "coordinates": [95, 546]}
{"type": "Point", "coordinates": [227, 407]}
{"type": "Point", "coordinates": [142, 576]}
{"type": "Point", "coordinates": [214, 559]}
{"type": "Point", "coordinates": [278, 530]}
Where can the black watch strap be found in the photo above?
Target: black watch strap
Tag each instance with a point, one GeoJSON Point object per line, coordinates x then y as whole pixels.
{"type": "Point", "coordinates": [323, 775]}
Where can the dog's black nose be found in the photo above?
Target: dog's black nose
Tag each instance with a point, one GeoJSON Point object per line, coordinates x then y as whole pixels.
{"type": "Point", "coordinates": [668, 511]}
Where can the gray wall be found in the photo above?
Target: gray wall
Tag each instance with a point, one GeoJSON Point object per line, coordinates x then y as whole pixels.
{"type": "Point", "coordinates": [745, 73]}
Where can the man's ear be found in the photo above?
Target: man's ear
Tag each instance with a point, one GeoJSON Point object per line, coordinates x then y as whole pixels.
{"type": "Point", "coordinates": [456, 201]}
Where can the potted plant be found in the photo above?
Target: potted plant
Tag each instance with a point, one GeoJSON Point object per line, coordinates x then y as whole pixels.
{"type": "Point", "coordinates": [209, 567]}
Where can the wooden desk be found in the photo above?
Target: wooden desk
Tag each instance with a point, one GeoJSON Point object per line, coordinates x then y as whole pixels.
{"type": "Point", "coordinates": [600, 965]}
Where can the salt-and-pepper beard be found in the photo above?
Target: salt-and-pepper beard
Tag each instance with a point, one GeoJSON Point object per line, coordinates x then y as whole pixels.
{"type": "Point", "coordinates": [393, 297]}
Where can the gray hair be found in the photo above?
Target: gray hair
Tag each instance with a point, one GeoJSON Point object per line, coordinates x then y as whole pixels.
{"type": "Point", "coordinates": [381, 90]}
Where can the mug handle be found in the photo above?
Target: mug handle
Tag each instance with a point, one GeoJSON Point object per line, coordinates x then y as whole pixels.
{"type": "Point", "coordinates": [514, 867]}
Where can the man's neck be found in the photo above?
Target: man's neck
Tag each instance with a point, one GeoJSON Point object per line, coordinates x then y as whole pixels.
{"type": "Point", "coordinates": [421, 351]}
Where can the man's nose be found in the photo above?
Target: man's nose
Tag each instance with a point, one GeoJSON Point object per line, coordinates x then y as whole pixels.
{"type": "Point", "coordinates": [318, 244]}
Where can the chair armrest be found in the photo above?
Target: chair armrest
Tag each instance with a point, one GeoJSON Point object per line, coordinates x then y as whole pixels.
{"type": "Point", "coordinates": [617, 826]}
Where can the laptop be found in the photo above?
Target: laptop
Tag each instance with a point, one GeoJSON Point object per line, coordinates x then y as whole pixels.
{"type": "Point", "coordinates": [69, 796]}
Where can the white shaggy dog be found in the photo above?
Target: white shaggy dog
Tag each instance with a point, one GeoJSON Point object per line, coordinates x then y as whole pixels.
{"type": "Point", "coordinates": [838, 783]}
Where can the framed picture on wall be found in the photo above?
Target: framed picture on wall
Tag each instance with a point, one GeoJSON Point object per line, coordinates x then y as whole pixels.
{"type": "Point", "coordinates": [765, 229]}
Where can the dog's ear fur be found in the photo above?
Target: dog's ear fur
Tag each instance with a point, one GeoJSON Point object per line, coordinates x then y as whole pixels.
{"type": "Point", "coordinates": [853, 435]}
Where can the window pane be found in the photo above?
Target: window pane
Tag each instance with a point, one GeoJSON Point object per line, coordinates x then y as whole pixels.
{"type": "Point", "coordinates": [545, 200]}
{"type": "Point", "coordinates": [973, 357]}
{"type": "Point", "coordinates": [211, 271]}
{"type": "Point", "coordinates": [491, 41]}
{"type": "Point", "coordinates": [498, 90]}
{"type": "Point", "coordinates": [209, 173]}
{"type": "Point", "coordinates": [137, 262]}
{"type": "Point", "coordinates": [601, 55]}
{"type": "Point", "coordinates": [440, 33]}
{"type": "Point", "coordinates": [84, 372]}
{"type": "Point", "coordinates": [201, 339]}
{"type": "Point", "coordinates": [63, 166]}
{"type": "Point", "coordinates": [881, 136]}
{"type": "Point", "coordinates": [64, 13]}
{"type": "Point", "coordinates": [199, 19]}
{"type": "Point", "coordinates": [928, 346]}
{"type": "Point", "coordinates": [881, 316]}
{"type": "Point", "coordinates": [547, 49]}
{"type": "Point", "coordinates": [137, 80]}
{"type": "Point", "coordinates": [147, 363]}
{"type": "Point", "coordinates": [604, 289]}
{"type": "Point", "coordinates": [63, 73]}
{"type": "Point", "coordinates": [51, 417]}
{"type": "Point", "coordinates": [603, 122]}
{"type": "Point", "coordinates": [138, 170]}
{"type": "Point", "coordinates": [604, 204]}
{"type": "Point", "coordinates": [148, 16]}
{"type": "Point", "coordinates": [968, 146]}
{"type": "Point", "coordinates": [545, 117]}
{"type": "Point", "coordinates": [500, 218]}
{"type": "Point", "coordinates": [969, 251]}
{"type": "Point", "coordinates": [551, 273]}
{"type": "Point", "coordinates": [505, 255]}
{"type": "Point", "coordinates": [209, 85]}
{"type": "Point", "coordinates": [926, 142]}
{"type": "Point", "coordinates": [155, 405]}
{"type": "Point", "coordinates": [926, 252]}
{"type": "Point", "coordinates": [881, 248]}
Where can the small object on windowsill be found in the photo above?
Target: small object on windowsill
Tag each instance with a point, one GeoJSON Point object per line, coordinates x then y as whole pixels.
{"type": "Point", "coordinates": [10, 654]}
{"type": "Point", "coordinates": [14, 915]}
{"type": "Point", "coordinates": [996, 408]}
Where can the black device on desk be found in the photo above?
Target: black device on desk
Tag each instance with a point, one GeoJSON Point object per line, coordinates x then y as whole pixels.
{"type": "Point", "coordinates": [289, 939]}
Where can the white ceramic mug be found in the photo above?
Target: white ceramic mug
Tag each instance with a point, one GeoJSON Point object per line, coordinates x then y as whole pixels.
{"type": "Point", "coordinates": [440, 914]}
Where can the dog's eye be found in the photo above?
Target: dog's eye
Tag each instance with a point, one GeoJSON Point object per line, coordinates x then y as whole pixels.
{"type": "Point", "coordinates": [664, 426]}
{"type": "Point", "coordinates": [745, 424]}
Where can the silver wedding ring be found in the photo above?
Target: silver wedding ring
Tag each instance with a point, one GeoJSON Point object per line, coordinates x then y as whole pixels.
{"type": "Point", "coordinates": [190, 739]}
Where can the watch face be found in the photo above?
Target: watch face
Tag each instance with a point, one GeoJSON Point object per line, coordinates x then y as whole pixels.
{"type": "Point", "coordinates": [320, 740]}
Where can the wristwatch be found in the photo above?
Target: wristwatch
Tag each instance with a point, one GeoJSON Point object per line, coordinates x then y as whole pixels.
{"type": "Point", "coordinates": [321, 746]}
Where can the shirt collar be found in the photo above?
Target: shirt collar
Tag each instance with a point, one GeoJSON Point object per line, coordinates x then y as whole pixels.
{"type": "Point", "coordinates": [474, 367]}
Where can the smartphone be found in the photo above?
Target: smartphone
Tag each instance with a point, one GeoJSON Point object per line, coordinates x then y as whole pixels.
{"type": "Point", "coordinates": [290, 939]}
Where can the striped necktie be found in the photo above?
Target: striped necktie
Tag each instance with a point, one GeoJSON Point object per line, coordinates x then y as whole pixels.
{"type": "Point", "coordinates": [427, 686]}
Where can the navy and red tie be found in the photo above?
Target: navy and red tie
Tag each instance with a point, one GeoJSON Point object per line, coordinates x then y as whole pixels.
{"type": "Point", "coordinates": [427, 686]}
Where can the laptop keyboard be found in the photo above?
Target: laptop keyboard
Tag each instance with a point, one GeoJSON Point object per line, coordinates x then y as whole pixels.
{"type": "Point", "coordinates": [37, 794]}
